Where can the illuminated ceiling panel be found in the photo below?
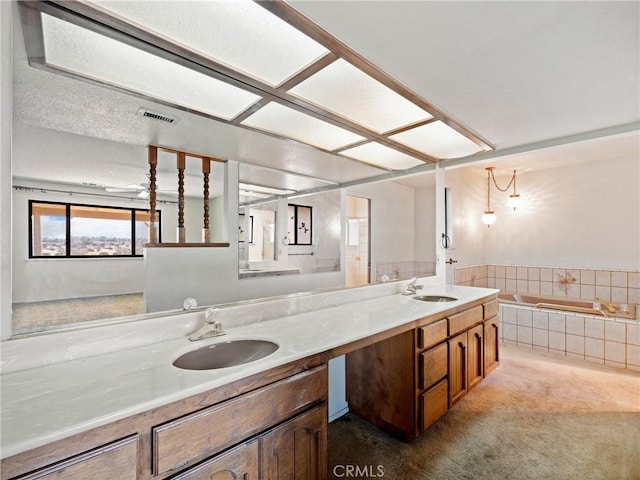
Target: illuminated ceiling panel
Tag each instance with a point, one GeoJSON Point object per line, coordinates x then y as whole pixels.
{"type": "Point", "coordinates": [382, 156]}
{"type": "Point", "coordinates": [88, 54]}
{"type": "Point", "coordinates": [342, 88]}
{"type": "Point", "coordinates": [439, 140]}
{"type": "Point", "coordinates": [240, 34]}
{"type": "Point", "coordinates": [281, 120]}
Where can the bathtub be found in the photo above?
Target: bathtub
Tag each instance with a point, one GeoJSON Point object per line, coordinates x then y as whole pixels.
{"type": "Point", "coordinates": [564, 304]}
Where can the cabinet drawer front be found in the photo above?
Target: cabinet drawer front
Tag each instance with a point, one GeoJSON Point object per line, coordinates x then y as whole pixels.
{"type": "Point", "coordinates": [465, 320]}
{"type": "Point", "coordinates": [490, 309]}
{"type": "Point", "coordinates": [239, 462]}
{"type": "Point", "coordinates": [115, 460]}
{"type": "Point", "coordinates": [433, 365]}
{"type": "Point", "coordinates": [434, 403]}
{"type": "Point", "coordinates": [208, 431]}
{"type": "Point", "coordinates": [432, 334]}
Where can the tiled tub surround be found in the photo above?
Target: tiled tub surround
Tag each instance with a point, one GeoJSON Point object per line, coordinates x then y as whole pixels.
{"type": "Point", "coordinates": [609, 341]}
{"type": "Point", "coordinates": [615, 286]}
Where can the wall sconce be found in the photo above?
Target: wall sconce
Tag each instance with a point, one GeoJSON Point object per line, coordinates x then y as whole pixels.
{"type": "Point", "coordinates": [489, 217]}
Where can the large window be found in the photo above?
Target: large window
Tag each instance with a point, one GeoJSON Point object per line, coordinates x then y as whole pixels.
{"type": "Point", "coordinates": [71, 230]}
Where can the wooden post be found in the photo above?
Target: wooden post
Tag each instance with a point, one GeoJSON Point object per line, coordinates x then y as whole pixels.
{"type": "Point", "coordinates": [153, 162]}
{"type": "Point", "coordinates": [181, 166]}
{"type": "Point", "coordinates": [206, 169]}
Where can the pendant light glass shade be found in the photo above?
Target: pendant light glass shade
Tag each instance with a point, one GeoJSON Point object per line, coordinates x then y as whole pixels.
{"type": "Point", "coordinates": [489, 218]}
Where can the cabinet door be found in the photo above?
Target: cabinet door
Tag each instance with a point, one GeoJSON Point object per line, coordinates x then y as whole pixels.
{"type": "Point", "coordinates": [115, 460]}
{"type": "Point", "coordinates": [475, 358]}
{"type": "Point", "coordinates": [296, 450]}
{"type": "Point", "coordinates": [491, 345]}
{"type": "Point", "coordinates": [239, 463]}
{"type": "Point", "coordinates": [458, 379]}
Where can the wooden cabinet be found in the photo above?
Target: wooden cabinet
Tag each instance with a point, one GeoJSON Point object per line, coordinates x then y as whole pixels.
{"type": "Point", "coordinates": [405, 383]}
{"type": "Point", "coordinates": [188, 439]}
{"type": "Point", "coordinates": [297, 449]}
{"type": "Point", "coordinates": [294, 450]}
{"type": "Point", "coordinates": [466, 353]}
{"type": "Point", "coordinates": [277, 430]}
{"type": "Point", "coordinates": [491, 345]}
{"type": "Point", "coordinates": [115, 460]}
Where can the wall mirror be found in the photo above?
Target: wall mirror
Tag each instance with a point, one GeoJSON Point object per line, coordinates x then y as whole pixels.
{"type": "Point", "coordinates": [61, 123]}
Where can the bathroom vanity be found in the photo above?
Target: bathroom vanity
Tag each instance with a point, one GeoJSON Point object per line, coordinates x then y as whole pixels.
{"type": "Point", "coordinates": [130, 414]}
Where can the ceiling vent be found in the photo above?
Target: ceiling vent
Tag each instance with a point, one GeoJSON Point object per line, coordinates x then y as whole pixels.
{"type": "Point", "coordinates": [143, 112]}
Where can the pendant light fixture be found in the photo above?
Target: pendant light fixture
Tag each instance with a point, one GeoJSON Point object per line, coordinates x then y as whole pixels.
{"type": "Point", "coordinates": [489, 217]}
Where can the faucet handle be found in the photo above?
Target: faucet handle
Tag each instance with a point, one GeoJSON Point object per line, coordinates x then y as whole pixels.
{"type": "Point", "coordinates": [211, 315]}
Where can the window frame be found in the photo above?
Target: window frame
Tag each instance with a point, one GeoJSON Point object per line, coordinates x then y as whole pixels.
{"type": "Point", "coordinates": [295, 223]}
{"type": "Point", "coordinates": [67, 207]}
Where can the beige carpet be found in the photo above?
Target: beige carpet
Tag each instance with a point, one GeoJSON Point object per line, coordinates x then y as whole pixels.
{"type": "Point", "coordinates": [536, 417]}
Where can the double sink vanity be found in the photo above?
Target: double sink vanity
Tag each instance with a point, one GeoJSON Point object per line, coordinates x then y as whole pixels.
{"type": "Point", "coordinates": [250, 404]}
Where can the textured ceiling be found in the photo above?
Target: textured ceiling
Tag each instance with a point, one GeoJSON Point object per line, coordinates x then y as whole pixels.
{"type": "Point", "coordinates": [516, 73]}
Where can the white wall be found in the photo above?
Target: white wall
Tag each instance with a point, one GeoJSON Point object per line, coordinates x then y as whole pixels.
{"type": "Point", "coordinates": [581, 216]}
{"type": "Point", "coordinates": [468, 190]}
{"type": "Point", "coordinates": [6, 118]}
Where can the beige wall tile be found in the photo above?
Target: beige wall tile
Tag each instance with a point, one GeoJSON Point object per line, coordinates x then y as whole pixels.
{"type": "Point", "coordinates": [633, 295]}
{"type": "Point", "coordinates": [559, 273]}
{"type": "Point", "coordinates": [511, 285]}
{"type": "Point", "coordinates": [556, 322]}
{"type": "Point", "coordinates": [603, 277]}
{"type": "Point", "coordinates": [509, 332]}
{"type": "Point", "coordinates": [522, 286]}
{"type": "Point", "coordinates": [500, 271]}
{"type": "Point", "coordinates": [533, 273]}
{"type": "Point", "coordinates": [574, 325]}
{"type": "Point", "coordinates": [633, 355]}
{"type": "Point", "coordinates": [594, 328]}
{"type": "Point", "coordinates": [573, 290]}
{"type": "Point", "coordinates": [540, 337]}
{"type": "Point", "coordinates": [511, 272]}
{"type": "Point", "coordinates": [546, 288]}
{"type": "Point", "coordinates": [587, 292]}
{"type": "Point", "coordinates": [501, 284]}
{"type": "Point", "coordinates": [557, 341]}
{"type": "Point", "coordinates": [633, 279]}
{"type": "Point", "coordinates": [575, 344]}
{"type": "Point", "coordinates": [533, 287]}
{"type": "Point", "coordinates": [546, 275]}
{"type": "Point", "coordinates": [619, 279]}
{"type": "Point", "coordinates": [633, 334]}
{"type": "Point", "coordinates": [525, 335]}
{"type": "Point", "coordinates": [540, 320]}
{"type": "Point", "coordinates": [603, 292]}
{"type": "Point", "coordinates": [587, 277]}
{"type": "Point", "coordinates": [522, 273]}
{"type": "Point", "coordinates": [614, 352]}
{"type": "Point", "coordinates": [594, 347]}
{"type": "Point", "coordinates": [491, 270]}
{"type": "Point", "coordinates": [614, 331]}
{"type": "Point", "coordinates": [618, 295]}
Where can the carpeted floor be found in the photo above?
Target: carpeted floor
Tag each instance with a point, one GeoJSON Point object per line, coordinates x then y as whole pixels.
{"type": "Point", "coordinates": [535, 417]}
{"type": "Point", "coordinates": [32, 316]}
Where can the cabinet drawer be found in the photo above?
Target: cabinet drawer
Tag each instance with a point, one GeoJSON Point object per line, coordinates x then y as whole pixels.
{"type": "Point", "coordinates": [432, 334]}
{"type": "Point", "coordinates": [239, 462]}
{"type": "Point", "coordinates": [433, 365]}
{"type": "Point", "coordinates": [465, 320]}
{"type": "Point", "coordinates": [434, 403]}
{"type": "Point", "coordinates": [490, 309]}
{"type": "Point", "coordinates": [115, 460]}
{"type": "Point", "coordinates": [209, 431]}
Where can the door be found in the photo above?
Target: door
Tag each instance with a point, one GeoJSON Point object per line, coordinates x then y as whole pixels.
{"type": "Point", "coordinates": [357, 248]}
{"type": "Point", "coordinates": [475, 365]}
{"type": "Point", "coordinates": [458, 380]}
{"type": "Point", "coordinates": [296, 450]}
{"type": "Point", "coordinates": [239, 463]}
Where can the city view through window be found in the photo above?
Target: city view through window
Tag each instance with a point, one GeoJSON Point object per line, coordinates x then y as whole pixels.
{"type": "Point", "coordinates": [61, 230]}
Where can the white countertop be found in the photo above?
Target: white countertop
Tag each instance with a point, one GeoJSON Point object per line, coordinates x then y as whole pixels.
{"type": "Point", "coordinates": [51, 402]}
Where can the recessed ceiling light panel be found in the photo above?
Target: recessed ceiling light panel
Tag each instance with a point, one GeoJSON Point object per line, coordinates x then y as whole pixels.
{"type": "Point", "coordinates": [291, 123]}
{"type": "Point", "coordinates": [382, 156]}
{"type": "Point", "coordinates": [238, 33]}
{"type": "Point", "coordinates": [342, 88]}
{"type": "Point", "coordinates": [439, 140]}
{"type": "Point", "coordinates": [91, 55]}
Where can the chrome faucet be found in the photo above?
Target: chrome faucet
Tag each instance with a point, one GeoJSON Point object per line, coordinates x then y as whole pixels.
{"type": "Point", "coordinates": [212, 326]}
{"type": "Point", "coordinates": [411, 287]}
